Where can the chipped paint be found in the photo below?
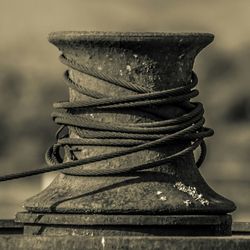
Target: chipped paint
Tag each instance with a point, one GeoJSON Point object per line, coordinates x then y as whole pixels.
{"type": "Point", "coordinates": [192, 192]}
{"type": "Point", "coordinates": [128, 68]}
{"type": "Point", "coordinates": [163, 198]}
{"type": "Point", "coordinates": [187, 203]}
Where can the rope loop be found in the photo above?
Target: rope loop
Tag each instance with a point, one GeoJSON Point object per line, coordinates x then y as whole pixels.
{"type": "Point", "coordinates": [133, 137]}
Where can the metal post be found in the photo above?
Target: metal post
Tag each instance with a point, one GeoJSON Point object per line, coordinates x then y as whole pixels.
{"type": "Point", "coordinates": [170, 199]}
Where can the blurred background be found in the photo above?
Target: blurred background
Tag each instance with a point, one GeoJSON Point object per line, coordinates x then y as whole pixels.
{"type": "Point", "coordinates": [31, 80]}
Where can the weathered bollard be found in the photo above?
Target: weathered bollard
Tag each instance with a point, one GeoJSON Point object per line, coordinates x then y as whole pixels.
{"type": "Point", "coordinates": [130, 112]}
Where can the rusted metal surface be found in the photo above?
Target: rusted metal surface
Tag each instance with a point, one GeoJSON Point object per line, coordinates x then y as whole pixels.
{"type": "Point", "coordinates": [158, 61]}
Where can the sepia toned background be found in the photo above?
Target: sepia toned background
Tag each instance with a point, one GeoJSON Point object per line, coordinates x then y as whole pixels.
{"type": "Point", "coordinates": [31, 80]}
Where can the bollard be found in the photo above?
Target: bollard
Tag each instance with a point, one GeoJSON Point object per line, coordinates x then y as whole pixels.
{"type": "Point", "coordinates": [128, 90]}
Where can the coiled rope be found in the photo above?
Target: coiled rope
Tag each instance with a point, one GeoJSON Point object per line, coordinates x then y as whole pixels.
{"type": "Point", "coordinates": [134, 137]}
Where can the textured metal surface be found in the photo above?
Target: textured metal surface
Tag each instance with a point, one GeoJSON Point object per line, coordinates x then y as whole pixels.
{"type": "Point", "coordinates": [124, 225]}
{"type": "Point", "coordinates": [158, 62]}
{"type": "Point", "coordinates": [150, 193]}
{"type": "Point", "coordinates": [100, 219]}
{"type": "Point", "coordinates": [154, 60]}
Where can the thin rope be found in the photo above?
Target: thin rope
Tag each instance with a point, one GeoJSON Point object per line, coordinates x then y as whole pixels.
{"type": "Point", "coordinates": [132, 137]}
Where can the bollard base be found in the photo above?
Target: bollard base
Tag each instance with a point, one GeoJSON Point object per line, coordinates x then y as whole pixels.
{"type": "Point", "coordinates": [125, 225]}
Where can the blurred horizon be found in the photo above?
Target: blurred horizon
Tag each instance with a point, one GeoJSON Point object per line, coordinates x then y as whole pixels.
{"type": "Point", "coordinates": [31, 80]}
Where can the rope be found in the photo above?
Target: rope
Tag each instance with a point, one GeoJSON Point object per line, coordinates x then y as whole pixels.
{"type": "Point", "coordinates": [133, 137]}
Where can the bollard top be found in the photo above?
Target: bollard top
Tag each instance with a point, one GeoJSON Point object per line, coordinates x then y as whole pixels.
{"type": "Point", "coordinates": [80, 36]}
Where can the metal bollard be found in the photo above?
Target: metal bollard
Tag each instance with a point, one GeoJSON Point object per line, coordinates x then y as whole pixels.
{"type": "Point", "coordinates": [170, 198]}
